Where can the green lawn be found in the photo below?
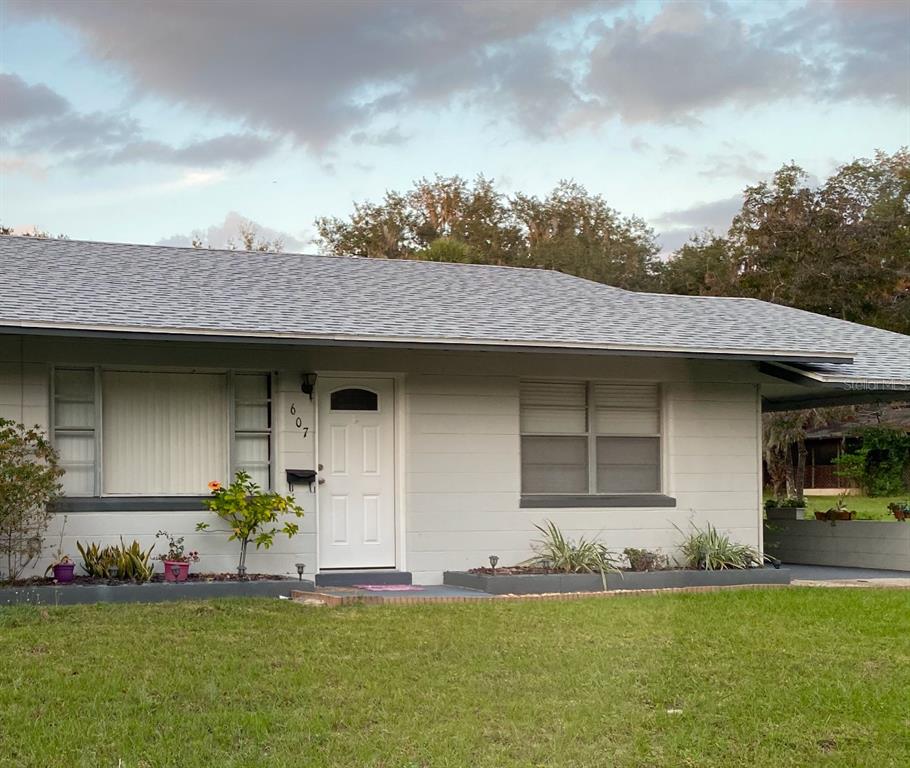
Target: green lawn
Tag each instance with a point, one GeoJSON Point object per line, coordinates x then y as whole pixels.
{"type": "Point", "coordinates": [867, 507]}
{"type": "Point", "coordinates": [788, 677]}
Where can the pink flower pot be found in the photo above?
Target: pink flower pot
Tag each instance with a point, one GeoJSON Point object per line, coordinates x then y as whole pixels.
{"type": "Point", "coordinates": [182, 570]}
{"type": "Point", "coordinates": [63, 573]}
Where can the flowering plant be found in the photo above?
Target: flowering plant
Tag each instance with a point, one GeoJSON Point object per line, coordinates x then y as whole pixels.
{"type": "Point", "coordinates": [251, 513]}
{"type": "Point", "coordinates": [176, 551]}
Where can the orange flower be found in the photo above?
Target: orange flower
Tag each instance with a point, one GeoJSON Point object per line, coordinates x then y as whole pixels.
{"type": "Point", "coordinates": [214, 486]}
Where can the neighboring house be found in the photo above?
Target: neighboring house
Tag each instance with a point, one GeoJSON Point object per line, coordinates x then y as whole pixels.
{"type": "Point", "coordinates": [825, 444]}
{"type": "Point", "coordinates": [446, 408]}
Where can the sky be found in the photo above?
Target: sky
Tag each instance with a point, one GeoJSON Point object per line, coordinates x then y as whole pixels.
{"type": "Point", "coordinates": [148, 122]}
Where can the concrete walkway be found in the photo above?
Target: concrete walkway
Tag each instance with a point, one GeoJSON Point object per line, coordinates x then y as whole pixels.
{"type": "Point", "coordinates": [833, 576]}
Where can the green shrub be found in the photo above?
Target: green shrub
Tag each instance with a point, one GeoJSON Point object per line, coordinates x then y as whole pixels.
{"type": "Point", "coordinates": [710, 550]}
{"type": "Point", "coordinates": [251, 514]}
{"type": "Point", "coordinates": [880, 465]}
{"type": "Point", "coordinates": [29, 481]}
{"type": "Point", "coordinates": [645, 559]}
{"type": "Point", "coordinates": [129, 563]}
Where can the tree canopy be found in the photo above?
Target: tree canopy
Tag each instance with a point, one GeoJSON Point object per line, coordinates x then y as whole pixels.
{"type": "Point", "coordinates": [841, 248]}
{"type": "Point", "coordinates": [452, 219]}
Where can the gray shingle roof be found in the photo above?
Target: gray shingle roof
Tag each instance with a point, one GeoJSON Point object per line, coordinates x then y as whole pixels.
{"type": "Point", "coordinates": [135, 288]}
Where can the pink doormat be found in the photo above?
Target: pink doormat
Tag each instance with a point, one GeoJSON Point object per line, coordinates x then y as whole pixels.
{"type": "Point", "coordinates": [389, 587]}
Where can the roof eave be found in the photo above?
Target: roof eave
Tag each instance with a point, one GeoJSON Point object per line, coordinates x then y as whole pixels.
{"type": "Point", "coordinates": [268, 338]}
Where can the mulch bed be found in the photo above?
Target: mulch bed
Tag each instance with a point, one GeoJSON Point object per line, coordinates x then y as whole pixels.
{"type": "Point", "coordinates": [527, 570]}
{"type": "Point", "coordinates": [37, 581]}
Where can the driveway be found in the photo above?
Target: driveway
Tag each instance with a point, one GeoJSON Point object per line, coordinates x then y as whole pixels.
{"type": "Point", "coordinates": [833, 576]}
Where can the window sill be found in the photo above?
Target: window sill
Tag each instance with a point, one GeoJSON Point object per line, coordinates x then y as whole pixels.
{"type": "Point", "coordinates": [565, 501]}
{"type": "Point", "coordinates": [129, 504]}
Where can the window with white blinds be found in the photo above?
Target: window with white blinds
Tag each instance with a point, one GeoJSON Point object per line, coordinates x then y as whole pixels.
{"type": "Point", "coordinates": [590, 438]}
{"type": "Point", "coordinates": [163, 433]}
{"type": "Point", "coordinates": [142, 433]}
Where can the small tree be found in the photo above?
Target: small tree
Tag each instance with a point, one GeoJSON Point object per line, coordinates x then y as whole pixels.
{"type": "Point", "coordinates": [29, 481]}
{"type": "Point", "coordinates": [251, 514]}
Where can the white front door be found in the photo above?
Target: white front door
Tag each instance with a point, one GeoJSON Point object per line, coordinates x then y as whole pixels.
{"type": "Point", "coordinates": [356, 434]}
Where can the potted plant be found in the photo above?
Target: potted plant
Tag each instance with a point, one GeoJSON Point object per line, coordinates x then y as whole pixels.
{"type": "Point", "coordinates": [792, 508]}
{"type": "Point", "coordinates": [901, 511]}
{"type": "Point", "coordinates": [176, 560]}
{"type": "Point", "coordinates": [62, 566]}
{"type": "Point", "coordinates": [838, 512]}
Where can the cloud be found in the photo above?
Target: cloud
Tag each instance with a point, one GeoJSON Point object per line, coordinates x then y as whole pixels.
{"type": "Point", "coordinates": [21, 102]}
{"type": "Point", "coordinates": [387, 138]}
{"type": "Point", "coordinates": [320, 71]}
{"type": "Point", "coordinates": [860, 48]}
{"type": "Point", "coordinates": [24, 165]}
{"type": "Point", "coordinates": [228, 232]}
{"type": "Point", "coordinates": [747, 164]}
{"type": "Point", "coordinates": [37, 120]}
{"type": "Point", "coordinates": [687, 58]}
{"type": "Point", "coordinates": [677, 226]}
{"type": "Point", "coordinates": [221, 150]}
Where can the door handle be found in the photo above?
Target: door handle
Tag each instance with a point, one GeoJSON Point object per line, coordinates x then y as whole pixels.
{"type": "Point", "coordinates": [321, 481]}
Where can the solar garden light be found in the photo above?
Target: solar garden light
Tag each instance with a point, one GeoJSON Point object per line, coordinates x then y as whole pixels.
{"type": "Point", "coordinates": [300, 567]}
{"type": "Point", "coordinates": [175, 569]}
{"type": "Point", "coordinates": [114, 570]}
{"type": "Point", "coordinates": [494, 559]}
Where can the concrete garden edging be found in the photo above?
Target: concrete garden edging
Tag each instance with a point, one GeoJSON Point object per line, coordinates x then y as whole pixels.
{"type": "Point", "coordinates": [531, 584]}
{"type": "Point", "coordinates": [152, 592]}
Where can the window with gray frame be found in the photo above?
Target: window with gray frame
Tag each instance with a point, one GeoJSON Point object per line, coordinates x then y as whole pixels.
{"type": "Point", "coordinates": [157, 433]}
{"type": "Point", "coordinates": [253, 426]}
{"type": "Point", "coordinates": [590, 438]}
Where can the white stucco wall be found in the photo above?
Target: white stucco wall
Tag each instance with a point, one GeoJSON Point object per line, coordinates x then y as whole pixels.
{"type": "Point", "coordinates": [458, 439]}
{"type": "Point", "coordinates": [463, 474]}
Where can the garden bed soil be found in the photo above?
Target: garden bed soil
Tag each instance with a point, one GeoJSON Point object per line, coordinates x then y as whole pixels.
{"type": "Point", "coordinates": [198, 587]}
{"type": "Point", "coordinates": [158, 578]}
{"type": "Point", "coordinates": [524, 583]}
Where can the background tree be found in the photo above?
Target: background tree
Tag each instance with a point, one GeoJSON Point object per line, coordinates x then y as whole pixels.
{"type": "Point", "coordinates": [839, 249]}
{"type": "Point", "coordinates": [249, 240]}
{"type": "Point", "coordinates": [450, 219]}
{"type": "Point", "coordinates": [35, 232]}
{"type": "Point", "coordinates": [784, 440]}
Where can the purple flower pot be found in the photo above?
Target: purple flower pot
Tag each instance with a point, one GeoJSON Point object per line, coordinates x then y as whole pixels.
{"type": "Point", "coordinates": [63, 572]}
{"type": "Point", "coordinates": [182, 569]}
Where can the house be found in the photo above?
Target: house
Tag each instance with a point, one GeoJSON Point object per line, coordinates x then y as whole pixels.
{"type": "Point", "coordinates": [824, 444]}
{"type": "Point", "coordinates": [444, 408]}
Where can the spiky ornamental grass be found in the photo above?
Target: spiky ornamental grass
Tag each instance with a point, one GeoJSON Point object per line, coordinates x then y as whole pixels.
{"type": "Point", "coordinates": [709, 550]}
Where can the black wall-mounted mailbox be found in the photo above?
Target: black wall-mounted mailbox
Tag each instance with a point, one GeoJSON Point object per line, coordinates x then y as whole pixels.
{"type": "Point", "coordinates": [300, 476]}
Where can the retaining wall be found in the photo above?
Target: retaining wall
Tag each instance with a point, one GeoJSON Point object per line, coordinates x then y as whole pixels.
{"type": "Point", "coordinates": [851, 543]}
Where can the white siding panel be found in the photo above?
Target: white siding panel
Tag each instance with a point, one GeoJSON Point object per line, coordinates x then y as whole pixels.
{"type": "Point", "coordinates": [461, 508]}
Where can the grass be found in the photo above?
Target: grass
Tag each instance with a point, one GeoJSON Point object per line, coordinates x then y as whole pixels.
{"type": "Point", "coordinates": [867, 507]}
{"type": "Point", "coordinates": [788, 677]}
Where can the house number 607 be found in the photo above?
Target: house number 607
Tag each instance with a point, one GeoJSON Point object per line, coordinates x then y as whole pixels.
{"type": "Point", "coordinates": [297, 421]}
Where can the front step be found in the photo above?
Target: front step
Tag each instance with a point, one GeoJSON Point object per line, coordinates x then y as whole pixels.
{"type": "Point", "coordinates": [350, 578]}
